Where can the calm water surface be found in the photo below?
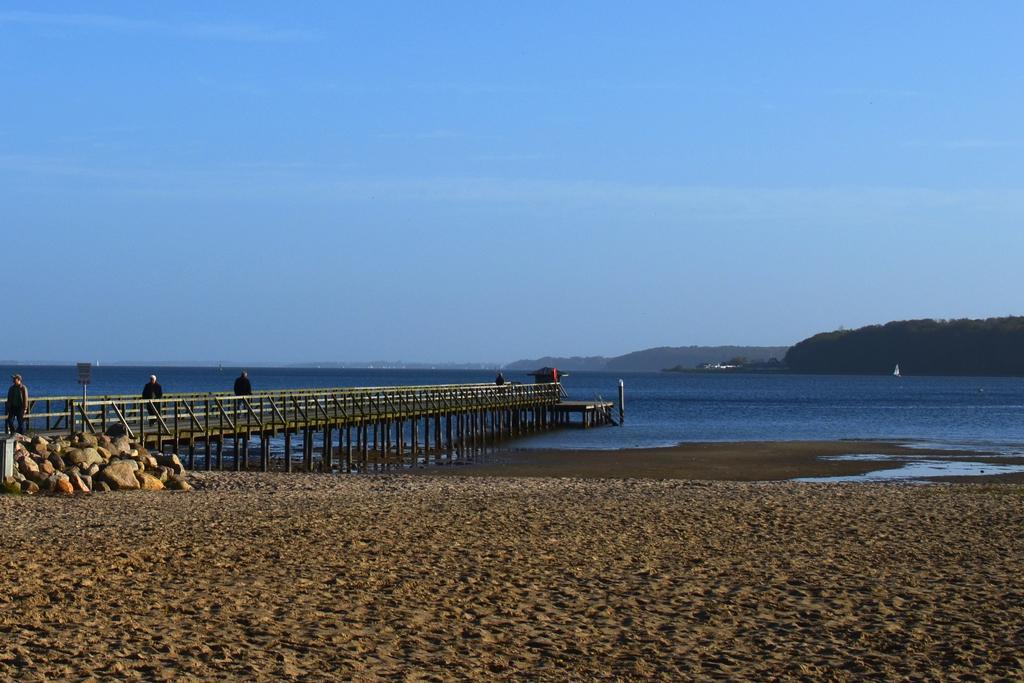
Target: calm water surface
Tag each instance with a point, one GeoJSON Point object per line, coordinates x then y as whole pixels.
{"type": "Point", "coordinates": [668, 408]}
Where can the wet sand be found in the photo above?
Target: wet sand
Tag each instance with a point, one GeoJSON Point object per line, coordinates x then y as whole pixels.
{"type": "Point", "coordinates": [714, 461]}
{"type": "Point", "coordinates": [413, 577]}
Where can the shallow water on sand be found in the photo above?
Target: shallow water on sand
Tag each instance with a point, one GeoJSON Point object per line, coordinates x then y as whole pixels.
{"type": "Point", "coordinates": [917, 469]}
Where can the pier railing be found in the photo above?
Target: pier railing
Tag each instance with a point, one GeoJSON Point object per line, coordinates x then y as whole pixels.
{"type": "Point", "coordinates": [186, 416]}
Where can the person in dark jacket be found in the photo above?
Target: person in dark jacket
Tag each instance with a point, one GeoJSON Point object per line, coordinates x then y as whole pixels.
{"type": "Point", "coordinates": [499, 379]}
{"type": "Point", "coordinates": [151, 391]}
{"type": "Point", "coordinates": [243, 387]}
{"type": "Point", "coordinates": [17, 406]}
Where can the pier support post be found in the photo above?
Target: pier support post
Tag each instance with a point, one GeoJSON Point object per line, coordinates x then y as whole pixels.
{"type": "Point", "coordinates": [365, 451]}
{"type": "Point", "coordinates": [348, 447]}
{"type": "Point", "coordinates": [307, 443]}
{"type": "Point", "coordinates": [426, 439]}
{"type": "Point", "coordinates": [400, 438]}
{"type": "Point", "coordinates": [287, 450]}
{"type": "Point", "coordinates": [328, 461]}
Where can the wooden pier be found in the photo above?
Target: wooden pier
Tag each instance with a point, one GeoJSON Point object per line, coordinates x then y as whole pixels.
{"type": "Point", "coordinates": [339, 429]}
{"type": "Point", "coordinates": [592, 413]}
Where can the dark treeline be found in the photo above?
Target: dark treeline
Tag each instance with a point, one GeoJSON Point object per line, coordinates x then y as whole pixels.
{"type": "Point", "coordinates": [921, 347]}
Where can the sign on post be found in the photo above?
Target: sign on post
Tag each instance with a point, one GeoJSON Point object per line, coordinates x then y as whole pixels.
{"type": "Point", "coordinates": [84, 377]}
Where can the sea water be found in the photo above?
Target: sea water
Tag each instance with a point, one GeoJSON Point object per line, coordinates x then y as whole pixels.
{"type": "Point", "coordinates": [665, 408]}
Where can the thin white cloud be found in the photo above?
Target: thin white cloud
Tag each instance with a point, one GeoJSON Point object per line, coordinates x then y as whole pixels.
{"type": "Point", "coordinates": [242, 33]}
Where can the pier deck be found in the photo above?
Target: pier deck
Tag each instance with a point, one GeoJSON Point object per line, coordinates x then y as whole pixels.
{"type": "Point", "coordinates": [592, 413]}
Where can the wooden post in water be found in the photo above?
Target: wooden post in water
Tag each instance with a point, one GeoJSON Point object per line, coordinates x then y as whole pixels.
{"type": "Point", "coordinates": [307, 442]}
{"type": "Point", "coordinates": [426, 438]}
{"type": "Point", "coordinates": [206, 432]}
{"type": "Point", "coordinates": [287, 450]}
{"type": "Point", "coordinates": [348, 447]}
{"type": "Point", "coordinates": [448, 432]}
{"type": "Point", "coordinates": [365, 447]}
{"type": "Point", "coordinates": [328, 439]}
{"type": "Point", "coordinates": [622, 402]}
{"type": "Point", "coordinates": [400, 438]}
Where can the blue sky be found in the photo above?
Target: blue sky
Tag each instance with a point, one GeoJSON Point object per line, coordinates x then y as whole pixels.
{"type": "Point", "coordinates": [487, 181]}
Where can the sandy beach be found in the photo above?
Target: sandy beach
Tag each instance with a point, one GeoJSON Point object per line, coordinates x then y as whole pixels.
{"type": "Point", "coordinates": [442, 577]}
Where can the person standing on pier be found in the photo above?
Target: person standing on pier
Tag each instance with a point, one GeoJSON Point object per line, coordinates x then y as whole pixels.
{"type": "Point", "coordinates": [243, 387]}
{"type": "Point", "coordinates": [500, 379]}
{"type": "Point", "coordinates": [17, 406]}
{"type": "Point", "coordinates": [151, 391]}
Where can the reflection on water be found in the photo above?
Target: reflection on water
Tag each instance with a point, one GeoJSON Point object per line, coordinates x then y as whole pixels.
{"type": "Point", "coordinates": [915, 469]}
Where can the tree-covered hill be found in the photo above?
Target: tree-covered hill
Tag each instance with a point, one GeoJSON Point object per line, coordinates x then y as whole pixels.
{"type": "Point", "coordinates": [994, 346]}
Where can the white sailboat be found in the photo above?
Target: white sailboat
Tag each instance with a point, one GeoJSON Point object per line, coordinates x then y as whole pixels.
{"type": "Point", "coordinates": [896, 371]}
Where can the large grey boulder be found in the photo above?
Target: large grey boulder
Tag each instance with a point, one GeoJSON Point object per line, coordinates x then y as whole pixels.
{"type": "Point", "coordinates": [120, 475]}
{"type": "Point", "coordinates": [40, 446]}
{"type": "Point", "coordinates": [73, 455]}
{"type": "Point", "coordinates": [84, 457]}
{"type": "Point", "coordinates": [121, 446]}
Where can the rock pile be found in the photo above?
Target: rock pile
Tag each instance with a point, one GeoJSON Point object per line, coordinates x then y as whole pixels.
{"type": "Point", "coordinates": [88, 462]}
